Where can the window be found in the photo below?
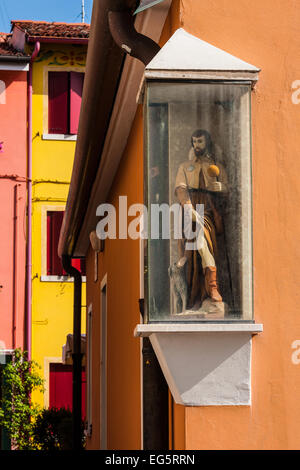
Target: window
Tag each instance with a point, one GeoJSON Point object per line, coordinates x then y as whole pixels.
{"type": "Point", "coordinates": [54, 264]}
{"type": "Point", "coordinates": [2, 92]}
{"type": "Point", "coordinates": [5, 358]}
{"type": "Point", "coordinates": [60, 390]}
{"type": "Point", "coordinates": [103, 365]}
{"type": "Point", "coordinates": [89, 384]}
{"type": "Point", "coordinates": [64, 95]}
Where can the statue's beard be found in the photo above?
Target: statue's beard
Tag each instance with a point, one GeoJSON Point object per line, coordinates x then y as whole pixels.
{"type": "Point", "coordinates": [200, 153]}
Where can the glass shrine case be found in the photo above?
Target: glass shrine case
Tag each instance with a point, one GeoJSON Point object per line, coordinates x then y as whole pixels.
{"type": "Point", "coordinates": [198, 249]}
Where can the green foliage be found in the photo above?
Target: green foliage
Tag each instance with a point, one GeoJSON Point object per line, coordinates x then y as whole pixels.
{"type": "Point", "coordinates": [53, 430]}
{"type": "Point", "coordinates": [18, 413]}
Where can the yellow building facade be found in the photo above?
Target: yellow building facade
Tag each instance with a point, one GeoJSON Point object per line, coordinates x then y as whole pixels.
{"type": "Point", "coordinates": [52, 160]}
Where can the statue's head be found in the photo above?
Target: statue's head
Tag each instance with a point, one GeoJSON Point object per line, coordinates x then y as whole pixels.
{"type": "Point", "coordinates": [201, 142]}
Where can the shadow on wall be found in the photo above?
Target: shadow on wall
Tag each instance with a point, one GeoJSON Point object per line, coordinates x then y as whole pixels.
{"type": "Point", "coordinates": [8, 78]}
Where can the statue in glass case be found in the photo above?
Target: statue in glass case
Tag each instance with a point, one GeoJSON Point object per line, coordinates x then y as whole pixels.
{"type": "Point", "coordinates": [198, 180]}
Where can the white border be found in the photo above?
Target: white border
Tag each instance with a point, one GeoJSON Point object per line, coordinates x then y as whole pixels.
{"type": "Point", "coordinates": [17, 67]}
{"type": "Point", "coordinates": [64, 137]}
{"type": "Point", "coordinates": [47, 361]}
{"type": "Point", "coordinates": [54, 278]}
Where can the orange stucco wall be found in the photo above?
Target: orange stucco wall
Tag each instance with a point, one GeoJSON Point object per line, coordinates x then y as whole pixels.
{"type": "Point", "coordinates": [120, 262]}
{"type": "Point", "coordinates": [265, 34]}
{"type": "Point", "coordinates": [13, 168]}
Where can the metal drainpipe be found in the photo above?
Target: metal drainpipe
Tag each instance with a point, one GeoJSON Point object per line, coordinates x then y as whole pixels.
{"type": "Point", "coordinates": [76, 353]}
{"type": "Point", "coordinates": [29, 205]}
{"type": "Point", "coordinates": [15, 265]}
{"type": "Point", "coordinates": [121, 25]}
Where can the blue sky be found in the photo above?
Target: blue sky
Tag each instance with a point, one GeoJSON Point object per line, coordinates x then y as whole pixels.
{"type": "Point", "coordinates": [46, 10]}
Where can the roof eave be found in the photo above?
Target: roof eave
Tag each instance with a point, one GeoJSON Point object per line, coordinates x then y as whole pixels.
{"type": "Point", "coordinates": [12, 58]}
{"type": "Point", "coordinates": [103, 66]}
{"type": "Point", "coordinates": [90, 146]}
{"type": "Point", "coordinates": [54, 39]}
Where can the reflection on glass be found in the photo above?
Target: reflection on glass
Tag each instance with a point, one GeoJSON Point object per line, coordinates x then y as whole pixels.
{"type": "Point", "coordinates": [198, 158]}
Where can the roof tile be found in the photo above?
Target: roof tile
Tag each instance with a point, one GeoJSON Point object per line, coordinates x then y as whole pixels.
{"type": "Point", "coordinates": [54, 30]}
{"type": "Point", "coordinates": [6, 50]}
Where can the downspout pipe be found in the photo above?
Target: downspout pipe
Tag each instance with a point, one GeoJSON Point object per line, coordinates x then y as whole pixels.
{"type": "Point", "coordinates": [29, 204]}
{"type": "Point", "coordinates": [121, 25]}
{"type": "Point", "coordinates": [15, 266]}
{"type": "Point", "coordinates": [76, 353]}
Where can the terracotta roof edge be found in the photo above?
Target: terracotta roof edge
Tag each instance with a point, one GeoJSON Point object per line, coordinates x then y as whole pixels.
{"type": "Point", "coordinates": [49, 22]}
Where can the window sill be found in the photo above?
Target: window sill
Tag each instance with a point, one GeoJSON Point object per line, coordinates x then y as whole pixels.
{"type": "Point", "coordinates": [53, 278]}
{"type": "Point", "coordinates": [64, 137]}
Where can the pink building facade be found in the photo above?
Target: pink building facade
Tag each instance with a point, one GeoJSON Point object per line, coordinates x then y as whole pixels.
{"type": "Point", "coordinates": [13, 180]}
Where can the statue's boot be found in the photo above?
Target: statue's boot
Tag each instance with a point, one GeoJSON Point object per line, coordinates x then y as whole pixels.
{"type": "Point", "coordinates": [211, 283]}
